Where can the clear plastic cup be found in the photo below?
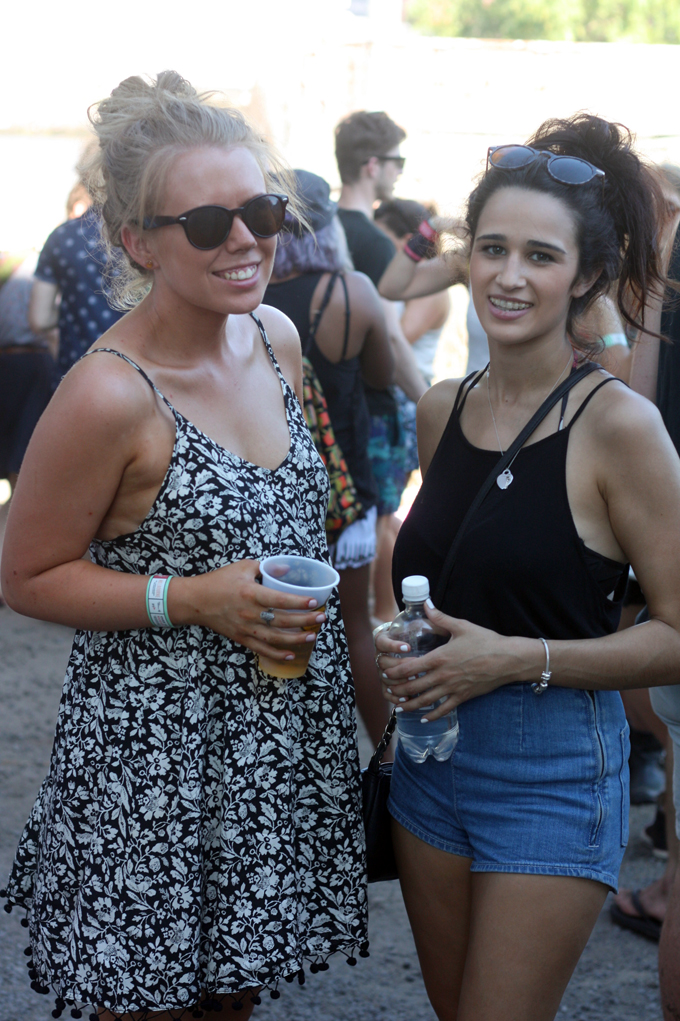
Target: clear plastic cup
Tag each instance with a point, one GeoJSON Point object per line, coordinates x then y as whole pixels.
{"type": "Point", "coordinates": [299, 576]}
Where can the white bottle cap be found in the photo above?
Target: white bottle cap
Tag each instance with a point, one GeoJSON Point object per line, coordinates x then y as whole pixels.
{"type": "Point", "coordinates": [415, 588]}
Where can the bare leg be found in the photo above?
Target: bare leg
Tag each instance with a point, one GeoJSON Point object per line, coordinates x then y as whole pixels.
{"type": "Point", "coordinates": [669, 955]}
{"type": "Point", "coordinates": [493, 946]}
{"type": "Point", "coordinates": [437, 891]}
{"type": "Point", "coordinates": [353, 591]}
{"type": "Point", "coordinates": [526, 936]}
{"type": "Point", "coordinates": [385, 607]}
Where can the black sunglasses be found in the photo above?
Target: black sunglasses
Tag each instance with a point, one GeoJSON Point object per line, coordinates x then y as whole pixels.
{"type": "Point", "coordinates": [398, 160]}
{"type": "Point", "coordinates": [208, 227]}
{"type": "Point", "coordinates": [565, 169]}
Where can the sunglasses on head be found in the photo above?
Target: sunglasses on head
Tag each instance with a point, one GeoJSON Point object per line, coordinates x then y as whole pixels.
{"type": "Point", "coordinates": [208, 227]}
{"type": "Point", "coordinates": [565, 169]}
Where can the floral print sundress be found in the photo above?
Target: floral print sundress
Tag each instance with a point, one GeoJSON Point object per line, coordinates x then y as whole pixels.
{"type": "Point", "coordinates": [200, 831]}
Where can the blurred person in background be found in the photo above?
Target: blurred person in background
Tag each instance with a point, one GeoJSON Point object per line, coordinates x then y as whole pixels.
{"type": "Point", "coordinates": [367, 149]}
{"type": "Point", "coordinates": [338, 315]}
{"type": "Point", "coordinates": [422, 321]}
{"type": "Point", "coordinates": [69, 291]}
{"type": "Point", "coordinates": [27, 368]}
{"type": "Point", "coordinates": [654, 911]}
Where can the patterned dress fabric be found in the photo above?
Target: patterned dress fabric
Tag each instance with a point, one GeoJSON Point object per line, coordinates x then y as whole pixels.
{"type": "Point", "coordinates": [200, 830]}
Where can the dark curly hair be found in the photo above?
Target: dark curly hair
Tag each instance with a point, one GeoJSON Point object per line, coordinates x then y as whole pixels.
{"type": "Point", "coordinates": [617, 217]}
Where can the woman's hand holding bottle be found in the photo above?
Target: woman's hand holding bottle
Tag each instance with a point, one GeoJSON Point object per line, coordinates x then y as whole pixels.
{"type": "Point", "coordinates": [473, 662]}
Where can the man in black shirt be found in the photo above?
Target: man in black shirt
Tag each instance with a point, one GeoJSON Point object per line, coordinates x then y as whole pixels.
{"type": "Point", "coordinates": [369, 161]}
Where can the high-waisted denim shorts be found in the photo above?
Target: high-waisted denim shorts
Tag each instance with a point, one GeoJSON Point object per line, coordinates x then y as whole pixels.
{"type": "Point", "coordinates": [537, 784]}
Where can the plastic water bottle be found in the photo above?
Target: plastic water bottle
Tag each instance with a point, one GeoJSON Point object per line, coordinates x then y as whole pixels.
{"type": "Point", "coordinates": [434, 737]}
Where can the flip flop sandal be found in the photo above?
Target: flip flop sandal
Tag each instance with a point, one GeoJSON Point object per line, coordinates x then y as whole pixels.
{"type": "Point", "coordinates": [644, 925]}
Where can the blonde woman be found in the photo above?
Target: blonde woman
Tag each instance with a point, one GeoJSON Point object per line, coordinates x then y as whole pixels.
{"type": "Point", "coordinates": [198, 836]}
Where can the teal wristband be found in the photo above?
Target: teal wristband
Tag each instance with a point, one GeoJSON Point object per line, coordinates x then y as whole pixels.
{"type": "Point", "coordinates": [157, 600]}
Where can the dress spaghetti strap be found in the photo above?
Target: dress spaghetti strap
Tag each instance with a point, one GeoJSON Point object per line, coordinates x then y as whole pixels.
{"type": "Point", "coordinates": [112, 351]}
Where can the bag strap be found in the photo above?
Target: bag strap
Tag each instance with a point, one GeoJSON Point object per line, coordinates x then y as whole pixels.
{"type": "Point", "coordinates": [376, 757]}
{"type": "Point", "coordinates": [320, 311]}
{"type": "Point", "coordinates": [550, 401]}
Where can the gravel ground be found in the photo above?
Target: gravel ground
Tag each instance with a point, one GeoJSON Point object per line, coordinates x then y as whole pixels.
{"type": "Point", "coordinates": [616, 979]}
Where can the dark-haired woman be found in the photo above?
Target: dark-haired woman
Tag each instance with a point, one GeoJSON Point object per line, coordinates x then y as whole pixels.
{"type": "Point", "coordinates": [506, 852]}
{"type": "Point", "coordinates": [339, 317]}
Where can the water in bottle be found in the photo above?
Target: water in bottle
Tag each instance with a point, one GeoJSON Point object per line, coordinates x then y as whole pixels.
{"type": "Point", "coordinates": [412, 625]}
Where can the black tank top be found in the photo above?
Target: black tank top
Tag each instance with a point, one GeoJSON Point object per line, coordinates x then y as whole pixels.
{"type": "Point", "coordinates": [522, 569]}
{"type": "Point", "coordinates": [341, 381]}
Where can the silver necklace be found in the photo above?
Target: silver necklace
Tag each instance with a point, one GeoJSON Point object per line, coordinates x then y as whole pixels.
{"type": "Point", "coordinates": [506, 477]}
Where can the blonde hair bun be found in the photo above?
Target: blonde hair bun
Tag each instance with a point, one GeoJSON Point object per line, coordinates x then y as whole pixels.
{"type": "Point", "coordinates": [141, 128]}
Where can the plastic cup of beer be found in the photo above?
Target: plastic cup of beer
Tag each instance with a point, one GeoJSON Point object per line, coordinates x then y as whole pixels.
{"type": "Point", "coordinates": [299, 576]}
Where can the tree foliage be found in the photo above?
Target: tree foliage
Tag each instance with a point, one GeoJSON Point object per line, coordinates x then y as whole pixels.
{"type": "Point", "coordinates": [640, 21]}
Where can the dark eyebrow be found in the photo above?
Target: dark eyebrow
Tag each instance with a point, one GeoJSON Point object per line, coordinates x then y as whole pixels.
{"type": "Point", "coordinates": [532, 243]}
{"type": "Point", "coordinates": [544, 244]}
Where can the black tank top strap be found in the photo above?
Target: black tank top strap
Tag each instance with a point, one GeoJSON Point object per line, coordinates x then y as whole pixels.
{"type": "Point", "coordinates": [586, 400]}
{"type": "Point", "coordinates": [463, 390]}
{"type": "Point", "coordinates": [320, 311]}
{"type": "Point", "coordinates": [112, 351]}
{"type": "Point", "coordinates": [346, 340]}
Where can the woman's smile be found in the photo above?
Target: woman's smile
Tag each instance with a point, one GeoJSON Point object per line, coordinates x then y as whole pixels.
{"type": "Point", "coordinates": [524, 265]}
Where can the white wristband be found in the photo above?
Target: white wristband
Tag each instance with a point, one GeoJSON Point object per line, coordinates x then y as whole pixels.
{"type": "Point", "coordinates": [157, 600]}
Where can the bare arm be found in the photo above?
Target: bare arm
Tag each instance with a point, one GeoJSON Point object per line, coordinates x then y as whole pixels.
{"type": "Point", "coordinates": [406, 372]}
{"type": "Point", "coordinates": [43, 309]}
{"type": "Point", "coordinates": [377, 354]}
{"type": "Point", "coordinates": [404, 279]}
{"type": "Point", "coordinates": [423, 314]}
{"type": "Point", "coordinates": [99, 435]}
{"type": "Point", "coordinates": [645, 362]}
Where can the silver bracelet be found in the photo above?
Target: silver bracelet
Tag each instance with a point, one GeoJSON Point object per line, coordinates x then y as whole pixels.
{"type": "Point", "coordinates": [538, 687]}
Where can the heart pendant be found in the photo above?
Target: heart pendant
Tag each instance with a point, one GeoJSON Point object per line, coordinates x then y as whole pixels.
{"type": "Point", "coordinates": [504, 479]}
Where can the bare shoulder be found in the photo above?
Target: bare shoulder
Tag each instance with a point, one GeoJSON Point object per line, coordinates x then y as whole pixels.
{"type": "Point", "coordinates": [361, 287]}
{"type": "Point", "coordinates": [618, 418]}
{"type": "Point", "coordinates": [434, 411]}
{"type": "Point", "coordinates": [434, 407]}
{"type": "Point", "coordinates": [285, 341]}
{"type": "Point", "coordinates": [281, 331]}
{"type": "Point", "coordinates": [104, 391]}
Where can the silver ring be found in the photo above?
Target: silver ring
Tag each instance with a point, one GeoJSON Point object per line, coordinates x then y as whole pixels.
{"type": "Point", "coordinates": [376, 661]}
{"type": "Point", "coordinates": [267, 616]}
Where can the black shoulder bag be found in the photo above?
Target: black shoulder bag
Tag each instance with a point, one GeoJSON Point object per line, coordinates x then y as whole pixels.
{"type": "Point", "coordinates": [375, 779]}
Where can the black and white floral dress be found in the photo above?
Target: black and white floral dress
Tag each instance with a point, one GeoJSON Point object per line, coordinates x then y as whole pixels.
{"type": "Point", "coordinates": [199, 831]}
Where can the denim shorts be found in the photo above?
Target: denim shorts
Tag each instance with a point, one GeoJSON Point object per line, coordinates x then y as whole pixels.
{"type": "Point", "coordinates": [537, 784]}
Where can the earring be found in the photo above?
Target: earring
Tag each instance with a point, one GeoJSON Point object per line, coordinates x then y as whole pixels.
{"type": "Point", "coordinates": [149, 264]}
